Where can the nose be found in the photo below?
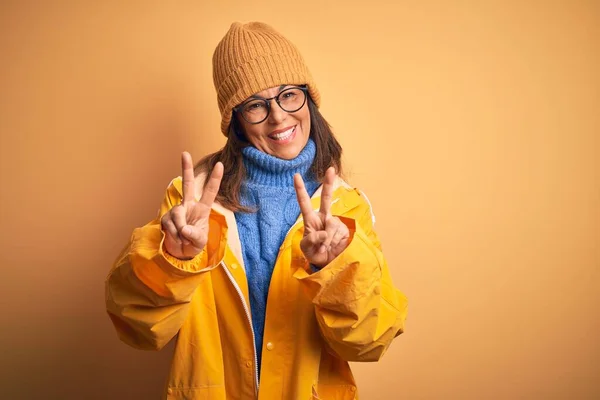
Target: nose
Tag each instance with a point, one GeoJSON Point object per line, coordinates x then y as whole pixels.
{"type": "Point", "coordinates": [277, 115]}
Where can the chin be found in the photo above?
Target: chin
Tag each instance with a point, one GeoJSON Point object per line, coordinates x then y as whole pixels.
{"type": "Point", "coordinates": [286, 152]}
{"type": "Point", "coordinates": [286, 156]}
{"type": "Point", "coordinates": [289, 154]}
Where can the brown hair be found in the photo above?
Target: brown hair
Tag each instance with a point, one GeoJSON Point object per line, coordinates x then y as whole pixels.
{"type": "Point", "coordinates": [328, 153]}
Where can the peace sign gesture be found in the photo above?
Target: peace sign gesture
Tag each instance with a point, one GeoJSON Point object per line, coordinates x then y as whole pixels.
{"type": "Point", "coordinates": [186, 224]}
{"type": "Point", "coordinates": [325, 236]}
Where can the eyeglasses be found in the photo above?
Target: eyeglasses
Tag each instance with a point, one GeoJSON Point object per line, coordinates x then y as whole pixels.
{"type": "Point", "coordinates": [256, 110]}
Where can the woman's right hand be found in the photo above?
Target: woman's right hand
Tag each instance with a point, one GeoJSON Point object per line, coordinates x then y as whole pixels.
{"type": "Point", "coordinates": [186, 224]}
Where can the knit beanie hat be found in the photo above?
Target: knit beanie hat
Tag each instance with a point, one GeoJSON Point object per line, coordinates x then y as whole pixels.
{"type": "Point", "coordinates": [253, 57]}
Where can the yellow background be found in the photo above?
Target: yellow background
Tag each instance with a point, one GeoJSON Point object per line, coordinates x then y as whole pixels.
{"type": "Point", "coordinates": [473, 126]}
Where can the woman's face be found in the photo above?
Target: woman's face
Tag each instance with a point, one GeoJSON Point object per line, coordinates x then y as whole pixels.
{"type": "Point", "coordinates": [282, 134]}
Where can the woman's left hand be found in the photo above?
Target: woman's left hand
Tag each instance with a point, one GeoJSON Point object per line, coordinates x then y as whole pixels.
{"type": "Point", "coordinates": [325, 236]}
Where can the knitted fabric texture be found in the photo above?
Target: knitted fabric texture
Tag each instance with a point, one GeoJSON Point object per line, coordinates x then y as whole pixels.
{"type": "Point", "coordinates": [268, 188]}
{"type": "Point", "coordinates": [253, 57]}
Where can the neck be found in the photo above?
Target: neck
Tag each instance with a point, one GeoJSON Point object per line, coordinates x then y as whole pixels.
{"type": "Point", "coordinates": [265, 169]}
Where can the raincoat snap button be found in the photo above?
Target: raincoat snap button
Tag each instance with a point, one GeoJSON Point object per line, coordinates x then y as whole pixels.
{"type": "Point", "coordinates": [248, 364]}
{"type": "Point", "coordinates": [170, 391]}
{"type": "Point", "coordinates": [234, 266]}
{"type": "Point", "coordinates": [353, 389]}
{"type": "Point", "coordinates": [270, 346]}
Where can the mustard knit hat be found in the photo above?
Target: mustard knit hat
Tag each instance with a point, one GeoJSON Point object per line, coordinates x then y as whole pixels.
{"type": "Point", "coordinates": [253, 57]}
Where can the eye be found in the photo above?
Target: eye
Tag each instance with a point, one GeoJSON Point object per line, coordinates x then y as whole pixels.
{"type": "Point", "coordinates": [254, 106]}
{"type": "Point", "coordinates": [289, 94]}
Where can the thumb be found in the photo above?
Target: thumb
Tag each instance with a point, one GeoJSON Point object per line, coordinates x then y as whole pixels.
{"type": "Point", "coordinates": [316, 237]}
{"type": "Point", "coordinates": [321, 236]}
{"type": "Point", "coordinates": [191, 233]}
{"type": "Point", "coordinates": [312, 244]}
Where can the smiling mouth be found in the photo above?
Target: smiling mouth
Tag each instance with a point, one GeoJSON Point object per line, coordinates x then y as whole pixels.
{"type": "Point", "coordinates": [281, 136]}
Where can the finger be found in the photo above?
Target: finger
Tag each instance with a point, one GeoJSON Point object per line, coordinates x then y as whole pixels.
{"type": "Point", "coordinates": [194, 235]}
{"type": "Point", "coordinates": [303, 197]}
{"type": "Point", "coordinates": [315, 238]}
{"type": "Point", "coordinates": [339, 247]}
{"type": "Point", "coordinates": [169, 228]}
{"type": "Point", "coordinates": [340, 235]}
{"type": "Point", "coordinates": [187, 174]}
{"type": "Point", "coordinates": [178, 216]}
{"type": "Point", "coordinates": [172, 245]}
{"type": "Point", "coordinates": [327, 191]}
{"type": "Point", "coordinates": [313, 242]}
{"type": "Point", "coordinates": [209, 194]}
{"type": "Point", "coordinates": [332, 225]}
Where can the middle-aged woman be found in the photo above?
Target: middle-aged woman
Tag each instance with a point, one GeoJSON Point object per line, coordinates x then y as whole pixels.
{"type": "Point", "coordinates": [264, 262]}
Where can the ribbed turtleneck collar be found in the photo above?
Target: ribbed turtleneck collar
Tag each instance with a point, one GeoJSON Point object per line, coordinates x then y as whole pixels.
{"type": "Point", "coordinates": [265, 169]}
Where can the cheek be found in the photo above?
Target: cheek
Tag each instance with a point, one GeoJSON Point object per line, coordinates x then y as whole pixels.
{"type": "Point", "coordinates": [252, 136]}
{"type": "Point", "coordinates": [305, 120]}
{"type": "Point", "coordinates": [252, 133]}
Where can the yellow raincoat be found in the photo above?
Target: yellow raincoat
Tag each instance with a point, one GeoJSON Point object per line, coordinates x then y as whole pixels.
{"type": "Point", "coordinates": [315, 321]}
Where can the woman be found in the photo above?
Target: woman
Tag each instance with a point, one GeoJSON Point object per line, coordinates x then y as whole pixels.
{"type": "Point", "coordinates": [269, 291]}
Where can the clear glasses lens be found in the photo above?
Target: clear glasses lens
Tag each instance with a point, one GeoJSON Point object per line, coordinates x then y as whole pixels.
{"type": "Point", "coordinates": [291, 99]}
{"type": "Point", "coordinates": [257, 110]}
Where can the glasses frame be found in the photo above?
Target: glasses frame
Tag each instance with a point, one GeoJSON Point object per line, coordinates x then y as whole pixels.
{"type": "Point", "coordinates": [267, 101]}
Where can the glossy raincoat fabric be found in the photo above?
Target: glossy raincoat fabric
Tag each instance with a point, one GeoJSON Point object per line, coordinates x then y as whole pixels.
{"type": "Point", "coordinates": [315, 321]}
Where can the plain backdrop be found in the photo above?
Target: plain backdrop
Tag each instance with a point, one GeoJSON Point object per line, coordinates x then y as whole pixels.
{"type": "Point", "coordinates": [473, 127]}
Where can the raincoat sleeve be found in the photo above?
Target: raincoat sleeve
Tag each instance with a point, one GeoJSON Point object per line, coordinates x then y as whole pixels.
{"type": "Point", "coordinates": [148, 291]}
{"type": "Point", "coordinates": [358, 309]}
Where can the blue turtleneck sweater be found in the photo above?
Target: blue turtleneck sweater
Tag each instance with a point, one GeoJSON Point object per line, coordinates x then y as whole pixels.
{"type": "Point", "coordinates": [268, 189]}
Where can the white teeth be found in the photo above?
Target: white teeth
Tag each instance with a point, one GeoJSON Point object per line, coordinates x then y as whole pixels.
{"type": "Point", "coordinates": [283, 135]}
